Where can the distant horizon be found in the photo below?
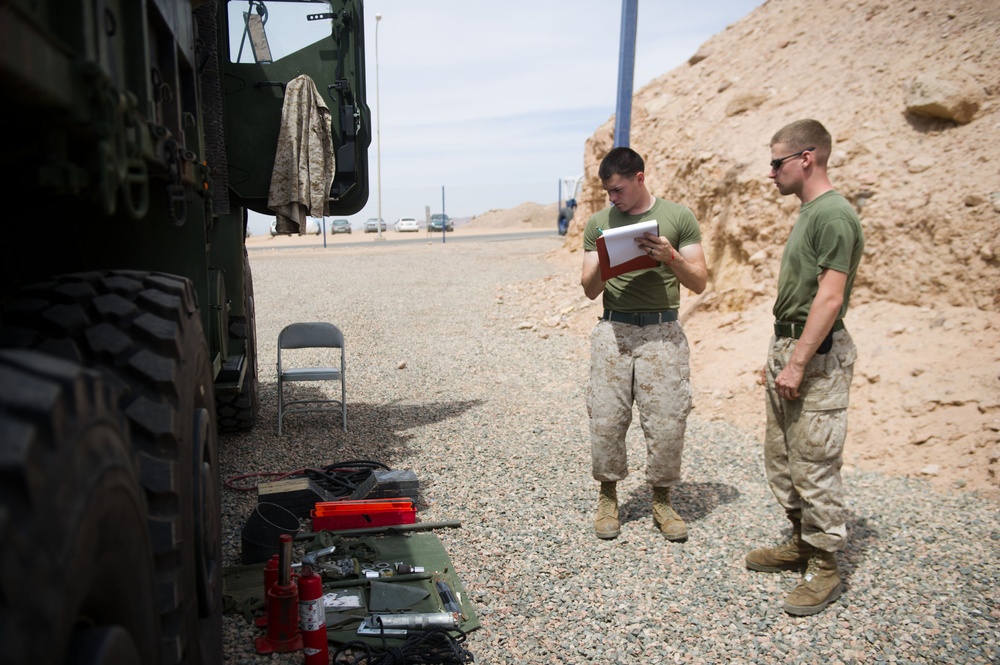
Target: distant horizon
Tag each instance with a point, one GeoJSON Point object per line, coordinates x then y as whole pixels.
{"type": "Point", "coordinates": [358, 223]}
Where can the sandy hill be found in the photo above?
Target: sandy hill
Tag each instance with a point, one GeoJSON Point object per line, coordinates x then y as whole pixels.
{"type": "Point", "coordinates": [525, 216]}
{"type": "Point", "coordinates": [909, 91]}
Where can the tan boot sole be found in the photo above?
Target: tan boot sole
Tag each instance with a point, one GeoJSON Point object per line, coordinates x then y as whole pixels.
{"type": "Point", "coordinates": [607, 535]}
{"type": "Point", "coordinates": [677, 537]}
{"type": "Point", "coordinates": [807, 610]}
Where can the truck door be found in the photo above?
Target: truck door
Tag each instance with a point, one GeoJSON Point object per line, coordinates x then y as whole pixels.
{"type": "Point", "coordinates": [269, 43]}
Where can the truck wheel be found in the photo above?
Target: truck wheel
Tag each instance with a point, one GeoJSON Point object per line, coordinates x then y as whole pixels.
{"type": "Point", "coordinates": [238, 413]}
{"type": "Point", "coordinates": [142, 332]}
{"type": "Point", "coordinates": [77, 577]}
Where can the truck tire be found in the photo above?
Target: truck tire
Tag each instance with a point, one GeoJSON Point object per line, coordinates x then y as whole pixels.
{"type": "Point", "coordinates": [238, 413]}
{"type": "Point", "coordinates": [143, 333]}
{"type": "Point", "coordinates": [77, 576]}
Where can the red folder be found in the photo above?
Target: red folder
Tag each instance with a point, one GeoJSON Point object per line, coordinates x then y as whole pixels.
{"type": "Point", "coordinates": [608, 271]}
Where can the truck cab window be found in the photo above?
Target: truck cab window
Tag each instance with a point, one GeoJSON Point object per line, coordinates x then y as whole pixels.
{"type": "Point", "coordinates": [263, 32]}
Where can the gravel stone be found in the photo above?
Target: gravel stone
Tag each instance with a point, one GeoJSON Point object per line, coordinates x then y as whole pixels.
{"type": "Point", "coordinates": [444, 380]}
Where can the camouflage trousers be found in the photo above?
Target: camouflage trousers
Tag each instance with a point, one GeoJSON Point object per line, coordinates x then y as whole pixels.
{"type": "Point", "coordinates": [804, 440]}
{"type": "Point", "coordinates": [648, 366]}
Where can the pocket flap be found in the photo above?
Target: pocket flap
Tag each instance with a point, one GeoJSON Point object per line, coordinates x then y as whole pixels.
{"type": "Point", "coordinates": [825, 401]}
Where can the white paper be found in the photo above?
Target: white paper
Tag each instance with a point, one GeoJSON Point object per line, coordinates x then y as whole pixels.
{"type": "Point", "coordinates": [342, 601]}
{"type": "Point", "coordinates": [621, 243]}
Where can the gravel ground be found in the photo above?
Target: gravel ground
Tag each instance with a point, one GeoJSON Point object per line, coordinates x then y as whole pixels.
{"type": "Point", "coordinates": [448, 377]}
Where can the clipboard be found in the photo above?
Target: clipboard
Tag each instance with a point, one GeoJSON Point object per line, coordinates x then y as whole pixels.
{"type": "Point", "coordinates": [618, 253]}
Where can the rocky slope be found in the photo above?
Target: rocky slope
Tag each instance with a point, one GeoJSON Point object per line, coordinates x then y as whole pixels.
{"type": "Point", "coordinates": [909, 91]}
{"type": "Point", "coordinates": [928, 187]}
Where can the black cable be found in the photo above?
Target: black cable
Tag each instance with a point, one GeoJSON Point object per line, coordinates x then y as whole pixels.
{"type": "Point", "coordinates": [341, 478]}
{"type": "Point", "coordinates": [430, 647]}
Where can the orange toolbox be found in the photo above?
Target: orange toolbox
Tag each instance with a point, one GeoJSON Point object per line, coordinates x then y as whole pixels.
{"type": "Point", "coordinates": [362, 513]}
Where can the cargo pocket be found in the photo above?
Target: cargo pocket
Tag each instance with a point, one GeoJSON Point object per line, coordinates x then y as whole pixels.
{"type": "Point", "coordinates": [844, 349]}
{"type": "Point", "coordinates": [685, 395]}
{"type": "Point", "coordinates": [824, 416]}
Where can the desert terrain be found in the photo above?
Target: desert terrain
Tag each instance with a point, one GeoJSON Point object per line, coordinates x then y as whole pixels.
{"type": "Point", "coordinates": [909, 91]}
{"type": "Point", "coordinates": [926, 395]}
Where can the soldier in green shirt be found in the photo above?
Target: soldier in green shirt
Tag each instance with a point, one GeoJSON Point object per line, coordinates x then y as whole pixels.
{"type": "Point", "coordinates": [809, 368]}
{"type": "Point", "coordinates": [639, 353]}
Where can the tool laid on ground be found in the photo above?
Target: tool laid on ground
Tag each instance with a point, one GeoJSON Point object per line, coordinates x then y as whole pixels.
{"type": "Point", "coordinates": [376, 569]}
{"type": "Point", "coordinates": [282, 607]}
{"type": "Point", "coordinates": [403, 624]}
{"type": "Point", "coordinates": [404, 606]}
{"type": "Point", "coordinates": [363, 513]}
{"type": "Point", "coordinates": [448, 598]}
{"type": "Point", "coordinates": [270, 577]}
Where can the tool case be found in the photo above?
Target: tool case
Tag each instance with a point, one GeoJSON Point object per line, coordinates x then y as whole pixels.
{"type": "Point", "coordinates": [362, 513]}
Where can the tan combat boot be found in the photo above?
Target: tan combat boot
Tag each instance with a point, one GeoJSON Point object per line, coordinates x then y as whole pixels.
{"type": "Point", "coordinates": [793, 555]}
{"type": "Point", "coordinates": [665, 517]}
{"type": "Point", "coordinates": [819, 587]}
{"type": "Point", "coordinates": [606, 523]}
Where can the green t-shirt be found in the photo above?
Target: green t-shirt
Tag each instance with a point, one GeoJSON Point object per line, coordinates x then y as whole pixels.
{"type": "Point", "coordinates": [827, 235]}
{"type": "Point", "coordinates": [653, 289]}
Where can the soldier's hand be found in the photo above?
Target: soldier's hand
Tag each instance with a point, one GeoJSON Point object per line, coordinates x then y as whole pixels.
{"type": "Point", "coordinates": [788, 382]}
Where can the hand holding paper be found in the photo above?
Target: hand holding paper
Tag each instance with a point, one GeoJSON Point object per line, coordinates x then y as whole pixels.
{"type": "Point", "coordinates": [619, 253]}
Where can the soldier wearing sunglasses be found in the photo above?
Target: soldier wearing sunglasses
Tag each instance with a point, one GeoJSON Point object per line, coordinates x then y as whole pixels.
{"type": "Point", "coordinates": [809, 369]}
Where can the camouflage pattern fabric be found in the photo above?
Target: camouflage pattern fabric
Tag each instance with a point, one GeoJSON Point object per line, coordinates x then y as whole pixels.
{"type": "Point", "coordinates": [304, 163]}
{"type": "Point", "coordinates": [647, 365]}
{"type": "Point", "coordinates": [804, 440]}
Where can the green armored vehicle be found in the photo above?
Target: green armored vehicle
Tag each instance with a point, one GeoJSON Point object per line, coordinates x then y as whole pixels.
{"type": "Point", "coordinates": [139, 134]}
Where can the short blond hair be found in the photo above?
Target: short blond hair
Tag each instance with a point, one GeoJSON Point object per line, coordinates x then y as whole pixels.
{"type": "Point", "coordinates": [804, 134]}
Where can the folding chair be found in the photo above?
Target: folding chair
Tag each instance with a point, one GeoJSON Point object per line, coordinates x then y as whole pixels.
{"type": "Point", "coordinates": [307, 336]}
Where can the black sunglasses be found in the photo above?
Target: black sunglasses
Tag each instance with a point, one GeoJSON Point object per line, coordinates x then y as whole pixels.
{"type": "Point", "coordinates": [776, 163]}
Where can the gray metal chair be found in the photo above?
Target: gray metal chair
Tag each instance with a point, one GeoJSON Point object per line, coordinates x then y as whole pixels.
{"type": "Point", "coordinates": [307, 336]}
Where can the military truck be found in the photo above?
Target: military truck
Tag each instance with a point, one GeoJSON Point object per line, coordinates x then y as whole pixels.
{"type": "Point", "coordinates": [141, 132]}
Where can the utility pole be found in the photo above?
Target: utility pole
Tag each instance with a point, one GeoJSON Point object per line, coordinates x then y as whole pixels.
{"type": "Point", "coordinates": [626, 72]}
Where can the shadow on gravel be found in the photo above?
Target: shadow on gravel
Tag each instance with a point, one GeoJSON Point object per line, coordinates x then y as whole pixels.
{"type": "Point", "coordinates": [380, 431]}
{"type": "Point", "coordinates": [387, 424]}
{"type": "Point", "coordinates": [861, 536]}
{"type": "Point", "coordinates": [692, 501]}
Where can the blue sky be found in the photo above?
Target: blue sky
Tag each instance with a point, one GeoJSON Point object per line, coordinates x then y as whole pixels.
{"type": "Point", "coordinates": [493, 101]}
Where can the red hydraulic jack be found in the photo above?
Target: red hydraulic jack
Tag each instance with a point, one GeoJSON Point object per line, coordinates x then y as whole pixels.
{"type": "Point", "coordinates": [282, 604]}
{"type": "Point", "coordinates": [270, 578]}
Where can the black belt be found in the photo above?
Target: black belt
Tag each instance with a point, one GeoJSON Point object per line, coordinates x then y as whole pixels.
{"type": "Point", "coordinates": [640, 318]}
{"type": "Point", "coordinates": [794, 330]}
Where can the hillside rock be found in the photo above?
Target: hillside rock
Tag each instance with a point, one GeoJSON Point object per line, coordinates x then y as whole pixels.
{"type": "Point", "coordinates": [909, 92]}
{"type": "Point", "coordinates": [928, 95]}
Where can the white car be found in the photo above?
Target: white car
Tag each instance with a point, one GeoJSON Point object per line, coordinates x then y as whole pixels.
{"type": "Point", "coordinates": [312, 226]}
{"type": "Point", "coordinates": [407, 224]}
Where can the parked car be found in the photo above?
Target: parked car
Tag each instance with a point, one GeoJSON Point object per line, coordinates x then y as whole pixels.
{"type": "Point", "coordinates": [407, 224]}
{"type": "Point", "coordinates": [340, 226]}
{"type": "Point", "coordinates": [440, 220]}
{"type": "Point", "coordinates": [371, 226]}
{"type": "Point", "coordinates": [312, 227]}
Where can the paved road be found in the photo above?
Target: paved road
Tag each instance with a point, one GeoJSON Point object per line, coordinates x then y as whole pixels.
{"type": "Point", "coordinates": [394, 238]}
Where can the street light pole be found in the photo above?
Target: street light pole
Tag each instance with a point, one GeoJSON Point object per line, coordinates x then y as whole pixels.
{"type": "Point", "coordinates": [378, 133]}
